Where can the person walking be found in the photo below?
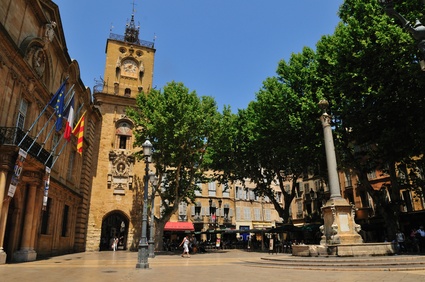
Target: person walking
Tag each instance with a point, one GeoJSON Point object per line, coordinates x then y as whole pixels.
{"type": "Point", "coordinates": [421, 236]}
{"type": "Point", "coordinates": [185, 244]}
{"type": "Point", "coordinates": [400, 238]}
{"type": "Point", "coordinates": [115, 244]}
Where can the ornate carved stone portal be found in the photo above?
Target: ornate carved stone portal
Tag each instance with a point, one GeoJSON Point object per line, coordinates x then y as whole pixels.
{"type": "Point", "coordinates": [120, 175]}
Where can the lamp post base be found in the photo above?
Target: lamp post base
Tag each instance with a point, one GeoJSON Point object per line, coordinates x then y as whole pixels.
{"type": "Point", "coordinates": [142, 257]}
{"type": "Point", "coordinates": [151, 249]}
{"type": "Point", "coordinates": [142, 265]}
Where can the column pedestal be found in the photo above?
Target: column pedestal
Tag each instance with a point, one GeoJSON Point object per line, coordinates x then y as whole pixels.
{"type": "Point", "coordinates": [3, 256]}
{"type": "Point", "coordinates": [27, 252]}
{"type": "Point", "coordinates": [25, 255]}
{"type": "Point", "coordinates": [339, 226]}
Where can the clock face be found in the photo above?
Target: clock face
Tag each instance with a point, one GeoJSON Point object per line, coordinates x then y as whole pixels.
{"type": "Point", "coordinates": [124, 129]}
{"type": "Point", "coordinates": [129, 66]}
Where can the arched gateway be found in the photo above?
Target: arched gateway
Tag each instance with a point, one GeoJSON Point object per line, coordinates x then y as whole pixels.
{"type": "Point", "coordinates": [114, 224]}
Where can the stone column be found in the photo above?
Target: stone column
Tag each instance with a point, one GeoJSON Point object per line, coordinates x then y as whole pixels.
{"type": "Point", "coordinates": [27, 252]}
{"type": "Point", "coordinates": [3, 215]}
{"type": "Point", "coordinates": [338, 215]}
{"type": "Point", "coordinates": [7, 161]}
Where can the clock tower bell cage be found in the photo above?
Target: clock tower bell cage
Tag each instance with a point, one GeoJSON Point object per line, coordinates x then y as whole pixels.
{"type": "Point", "coordinates": [129, 63]}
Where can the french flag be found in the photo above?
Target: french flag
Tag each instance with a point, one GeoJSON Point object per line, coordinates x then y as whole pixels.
{"type": "Point", "coordinates": [69, 120]}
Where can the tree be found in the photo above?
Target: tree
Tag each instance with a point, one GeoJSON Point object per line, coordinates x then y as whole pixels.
{"type": "Point", "coordinates": [369, 72]}
{"type": "Point", "coordinates": [180, 126]}
{"type": "Point", "coordinates": [278, 135]}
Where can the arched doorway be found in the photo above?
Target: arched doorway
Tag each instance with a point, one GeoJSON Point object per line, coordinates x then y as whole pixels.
{"type": "Point", "coordinates": [114, 224]}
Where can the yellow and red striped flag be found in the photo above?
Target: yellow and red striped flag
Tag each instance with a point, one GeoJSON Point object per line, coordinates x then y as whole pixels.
{"type": "Point", "coordinates": [79, 132]}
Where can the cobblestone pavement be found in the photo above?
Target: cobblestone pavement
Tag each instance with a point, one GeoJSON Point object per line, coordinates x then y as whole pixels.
{"type": "Point", "coordinates": [226, 265]}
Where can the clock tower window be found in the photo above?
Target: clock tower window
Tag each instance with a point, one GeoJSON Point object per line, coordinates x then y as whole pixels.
{"type": "Point", "coordinates": [127, 92]}
{"type": "Point", "coordinates": [123, 135]}
{"type": "Point", "coordinates": [123, 142]}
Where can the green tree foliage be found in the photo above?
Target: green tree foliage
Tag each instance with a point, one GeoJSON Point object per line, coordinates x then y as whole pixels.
{"type": "Point", "coordinates": [369, 72]}
{"type": "Point", "coordinates": [181, 126]}
{"type": "Point", "coordinates": [278, 135]}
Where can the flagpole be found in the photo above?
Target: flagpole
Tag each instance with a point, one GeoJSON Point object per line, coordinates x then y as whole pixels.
{"type": "Point", "coordinates": [63, 146]}
{"type": "Point", "coordinates": [45, 125]}
{"type": "Point", "coordinates": [51, 129]}
{"type": "Point", "coordinates": [57, 156]}
{"type": "Point", "coordinates": [48, 135]}
{"type": "Point", "coordinates": [41, 113]}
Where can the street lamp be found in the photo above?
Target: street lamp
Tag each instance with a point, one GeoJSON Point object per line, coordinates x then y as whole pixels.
{"type": "Point", "coordinates": [213, 216]}
{"type": "Point", "coordinates": [142, 256]}
{"type": "Point", "coordinates": [417, 30]}
{"type": "Point", "coordinates": [154, 181]}
{"type": "Point", "coordinates": [226, 212]}
{"type": "Point", "coordinates": [220, 201]}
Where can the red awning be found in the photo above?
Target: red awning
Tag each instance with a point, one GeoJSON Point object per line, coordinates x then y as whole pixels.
{"type": "Point", "coordinates": [179, 226]}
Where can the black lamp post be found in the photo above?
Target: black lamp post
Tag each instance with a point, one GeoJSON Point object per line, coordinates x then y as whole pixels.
{"type": "Point", "coordinates": [417, 30]}
{"type": "Point", "coordinates": [154, 181]}
{"type": "Point", "coordinates": [210, 202]}
{"type": "Point", "coordinates": [226, 213]}
{"type": "Point", "coordinates": [142, 256]}
{"type": "Point", "coordinates": [312, 199]}
{"type": "Point", "coordinates": [220, 201]}
{"type": "Point", "coordinates": [213, 214]}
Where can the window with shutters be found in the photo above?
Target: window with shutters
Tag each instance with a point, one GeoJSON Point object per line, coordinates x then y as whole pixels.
{"type": "Point", "coordinates": [257, 214]}
{"type": "Point", "coordinates": [198, 191]}
{"type": "Point", "coordinates": [183, 211]}
{"type": "Point", "coordinates": [23, 108]}
{"type": "Point", "coordinates": [247, 214]}
{"type": "Point", "coordinates": [267, 215]}
{"type": "Point", "coordinates": [212, 189]}
{"type": "Point", "coordinates": [226, 191]}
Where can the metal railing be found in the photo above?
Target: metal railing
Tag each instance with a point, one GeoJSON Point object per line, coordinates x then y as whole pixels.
{"type": "Point", "coordinates": [138, 41]}
{"type": "Point", "coordinates": [14, 135]}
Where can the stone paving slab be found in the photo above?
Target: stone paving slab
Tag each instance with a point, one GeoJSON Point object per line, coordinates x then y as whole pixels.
{"type": "Point", "coordinates": [227, 265]}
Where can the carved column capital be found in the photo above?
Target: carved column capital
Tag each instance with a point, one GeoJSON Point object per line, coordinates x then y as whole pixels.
{"type": "Point", "coordinates": [33, 177]}
{"type": "Point", "coordinates": [7, 159]}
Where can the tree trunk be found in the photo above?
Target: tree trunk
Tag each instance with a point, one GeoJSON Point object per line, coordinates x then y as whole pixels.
{"type": "Point", "coordinates": [159, 234]}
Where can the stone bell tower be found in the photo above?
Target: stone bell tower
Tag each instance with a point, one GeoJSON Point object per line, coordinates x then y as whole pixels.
{"type": "Point", "coordinates": [114, 208]}
{"type": "Point", "coordinates": [129, 63]}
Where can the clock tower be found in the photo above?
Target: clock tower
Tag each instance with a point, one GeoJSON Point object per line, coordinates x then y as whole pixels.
{"type": "Point", "coordinates": [114, 212]}
{"type": "Point", "coordinates": [129, 63]}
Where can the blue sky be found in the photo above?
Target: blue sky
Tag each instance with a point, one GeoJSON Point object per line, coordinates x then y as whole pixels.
{"type": "Point", "coordinates": [222, 48]}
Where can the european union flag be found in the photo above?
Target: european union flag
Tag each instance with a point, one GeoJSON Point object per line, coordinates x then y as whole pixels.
{"type": "Point", "coordinates": [57, 102]}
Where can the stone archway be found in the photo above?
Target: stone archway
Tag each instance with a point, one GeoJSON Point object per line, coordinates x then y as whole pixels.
{"type": "Point", "coordinates": [114, 223]}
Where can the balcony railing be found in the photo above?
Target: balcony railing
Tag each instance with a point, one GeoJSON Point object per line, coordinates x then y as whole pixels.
{"type": "Point", "coordinates": [138, 41]}
{"type": "Point", "coordinates": [14, 135]}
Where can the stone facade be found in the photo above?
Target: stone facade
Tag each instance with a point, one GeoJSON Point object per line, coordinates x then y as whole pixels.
{"type": "Point", "coordinates": [33, 64]}
{"type": "Point", "coordinates": [117, 191]}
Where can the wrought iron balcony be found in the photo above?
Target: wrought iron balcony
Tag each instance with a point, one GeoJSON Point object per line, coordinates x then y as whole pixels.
{"type": "Point", "coordinates": [13, 136]}
{"type": "Point", "coordinates": [138, 41]}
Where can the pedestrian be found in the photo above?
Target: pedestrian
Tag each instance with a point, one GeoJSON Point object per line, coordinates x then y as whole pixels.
{"type": "Point", "coordinates": [400, 240]}
{"type": "Point", "coordinates": [185, 243]}
{"type": "Point", "coordinates": [414, 241]}
{"type": "Point", "coordinates": [115, 244]}
{"type": "Point", "coordinates": [421, 234]}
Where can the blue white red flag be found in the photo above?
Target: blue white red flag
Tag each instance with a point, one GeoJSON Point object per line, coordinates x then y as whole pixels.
{"type": "Point", "coordinates": [70, 116]}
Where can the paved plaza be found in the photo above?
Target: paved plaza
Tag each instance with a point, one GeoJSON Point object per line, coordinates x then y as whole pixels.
{"type": "Point", "coordinates": [226, 265]}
